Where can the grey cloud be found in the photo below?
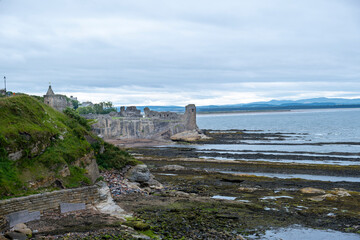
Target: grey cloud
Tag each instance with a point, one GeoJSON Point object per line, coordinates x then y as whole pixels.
{"type": "Point", "coordinates": [188, 47]}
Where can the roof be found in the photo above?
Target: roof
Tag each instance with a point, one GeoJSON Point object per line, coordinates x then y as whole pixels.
{"type": "Point", "coordinates": [50, 91]}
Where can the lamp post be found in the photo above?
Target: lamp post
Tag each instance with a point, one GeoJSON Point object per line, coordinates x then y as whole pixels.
{"type": "Point", "coordinates": [5, 83]}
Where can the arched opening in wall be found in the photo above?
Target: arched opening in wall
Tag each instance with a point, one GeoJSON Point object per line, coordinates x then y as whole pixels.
{"type": "Point", "coordinates": [192, 110]}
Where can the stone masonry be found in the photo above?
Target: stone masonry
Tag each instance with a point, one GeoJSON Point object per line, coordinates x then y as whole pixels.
{"type": "Point", "coordinates": [50, 200]}
{"type": "Point", "coordinates": [57, 101]}
{"type": "Point", "coordinates": [130, 124]}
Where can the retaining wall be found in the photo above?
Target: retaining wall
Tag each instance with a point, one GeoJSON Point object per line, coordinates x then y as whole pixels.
{"type": "Point", "coordinates": [50, 200]}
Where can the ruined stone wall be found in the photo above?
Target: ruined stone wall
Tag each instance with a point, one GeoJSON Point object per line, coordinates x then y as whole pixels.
{"type": "Point", "coordinates": [57, 101]}
{"type": "Point", "coordinates": [155, 125]}
{"type": "Point", "coordinates": [123, 128]}
{"type": "Point", "coordinates": [50, 200]}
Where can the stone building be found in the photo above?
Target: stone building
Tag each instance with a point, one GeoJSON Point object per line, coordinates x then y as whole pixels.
{"type": "Point", "coordinates": [57, 101]}
{"type": "Point", "coordinates": [3, 92]}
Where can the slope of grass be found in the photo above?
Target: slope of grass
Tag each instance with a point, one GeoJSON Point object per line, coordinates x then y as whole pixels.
{"type": "Point", "coordinates": [48, 140]}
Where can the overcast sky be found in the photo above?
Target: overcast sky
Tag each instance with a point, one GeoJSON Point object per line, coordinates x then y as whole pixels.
{"type": "Point", "coordinates": [163, 52]}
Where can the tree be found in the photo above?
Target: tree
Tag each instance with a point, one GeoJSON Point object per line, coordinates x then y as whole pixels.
{"type": "Point", "coordinates": [98, 108]}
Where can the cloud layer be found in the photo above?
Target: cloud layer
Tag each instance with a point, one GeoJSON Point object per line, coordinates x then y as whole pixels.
{"type": "Point", "coordinates": [173, 53]}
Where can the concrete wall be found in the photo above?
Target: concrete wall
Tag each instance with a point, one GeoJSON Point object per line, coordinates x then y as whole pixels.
{"type": "Point", "coordinates": [50, 200]}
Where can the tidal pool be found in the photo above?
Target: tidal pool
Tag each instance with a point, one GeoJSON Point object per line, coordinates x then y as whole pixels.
{"type": "Point", "coordinates": [223, 197]}
{"type": "Point", "coordinates": [300, 233]}
{"type": "Point", "coordinates": [302, 176]}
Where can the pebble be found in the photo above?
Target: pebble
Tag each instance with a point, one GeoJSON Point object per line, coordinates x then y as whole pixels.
{"type": "Point", "coordinates": [119, 185]}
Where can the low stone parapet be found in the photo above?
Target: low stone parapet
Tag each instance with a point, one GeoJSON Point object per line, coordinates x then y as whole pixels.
{"type": "Point", "coordinates": [50, 200]}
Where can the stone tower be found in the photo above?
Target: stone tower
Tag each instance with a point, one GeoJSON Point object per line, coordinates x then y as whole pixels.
{"type": "Point", "coordinates": [190, 117]}
{"type": "Point", "coordinates": [57, 101]}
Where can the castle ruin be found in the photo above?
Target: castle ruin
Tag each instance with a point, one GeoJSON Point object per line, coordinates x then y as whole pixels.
{"type": "Point", "coordinates": [57, 101]}
{"type": "Point", "coordinates": [129, 123]}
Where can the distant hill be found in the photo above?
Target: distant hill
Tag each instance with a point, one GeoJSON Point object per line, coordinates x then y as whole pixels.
{"type": "Point", "coordinates": [313, 103]}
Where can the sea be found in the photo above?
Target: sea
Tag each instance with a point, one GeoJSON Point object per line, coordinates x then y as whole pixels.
{"type": "Point", "coordinates": [320, 132]}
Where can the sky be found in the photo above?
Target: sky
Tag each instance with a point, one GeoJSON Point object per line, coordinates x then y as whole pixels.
{"type": "Point", "coordinates": [162, 52]}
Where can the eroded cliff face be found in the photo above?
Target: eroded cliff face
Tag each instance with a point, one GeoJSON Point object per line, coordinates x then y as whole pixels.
{"type": "Point", "coordinates": [154, 125]}
{"type": "Point", "coordinates": [40, 147]}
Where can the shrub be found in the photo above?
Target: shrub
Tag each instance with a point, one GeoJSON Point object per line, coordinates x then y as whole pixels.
{"type": "Point", "coordinates": [113, 157]}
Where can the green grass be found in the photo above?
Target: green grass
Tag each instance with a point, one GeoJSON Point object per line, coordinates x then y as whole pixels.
{"type": "Point", "coordinates": [48, 140]}
{"type": "Point", "coordinates": [77, 178]}
{"type": "Point", "coordinates": [113, 157]}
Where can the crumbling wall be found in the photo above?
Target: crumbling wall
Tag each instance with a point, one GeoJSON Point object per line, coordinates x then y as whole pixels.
{"type": "Point", "coordinates": [131, 124]}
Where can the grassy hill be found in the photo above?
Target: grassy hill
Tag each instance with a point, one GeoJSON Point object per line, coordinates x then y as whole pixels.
{"type": "Point", "coordinates": [39, 145]}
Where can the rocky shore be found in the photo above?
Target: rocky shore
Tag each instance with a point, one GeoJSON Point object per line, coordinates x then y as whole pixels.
{"type": "Point", "coordinates": [180, 195]}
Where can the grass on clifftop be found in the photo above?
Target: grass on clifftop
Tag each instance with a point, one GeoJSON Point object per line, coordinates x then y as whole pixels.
{"type": "Point", "coordinates": [45, 141]}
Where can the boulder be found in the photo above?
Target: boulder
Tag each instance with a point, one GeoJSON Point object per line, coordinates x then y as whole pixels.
{"type": "Point", "coordinates": [310, 190]}
{"type": "Point", "coordinates": [172, 168]}
{"type": "Point", "coordinates": [22, 228]}
{"type": "Point", "coordinates": [320, 198]}
{"type": "Point", "coordinates": [154, 184]}
{"type": "Point", "coordinates": [15, 236]}
{"type": "Point", "coordinates": [189, 136]}
{"type": "Point", "coordinates": [341, 192]}
{"type": "Point", "coordinates": [139, 173]}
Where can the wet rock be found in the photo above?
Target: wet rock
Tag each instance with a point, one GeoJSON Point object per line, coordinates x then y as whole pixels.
{"type": "Point", "coordinates": [248, 190]}
{"type": "Point", "coordinates": [189, 136]}
{"type": "Point", "coordinates": [320, 198]}
{"type": "Point", "coordinates": [341, 192]}
{"type": "Point", "coordinates": [139, 173]}
{"type": "Point", "coordinates": [15, 236]}
{"type": "Point", "coordinates": [179, 194]}
{"type": "Point", "coordinates": [172, 168]}
{"type": "Point", "coordinates": [310, 190]}
{"type": "Point", "coordinates": [239, 237]}
{"type": "Point", "coordinates": [141, 237]}
{"type": "Point", "coordinates": [154, 184]}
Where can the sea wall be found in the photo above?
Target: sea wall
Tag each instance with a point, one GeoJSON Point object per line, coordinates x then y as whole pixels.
{"type": "Point", "coordinates": [130, 124]}
{"type": "Point", "coordinates": [50, 200]}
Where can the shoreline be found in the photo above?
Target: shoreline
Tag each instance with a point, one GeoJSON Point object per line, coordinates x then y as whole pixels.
{"type": "Point", "coordinates": [276, 110]}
